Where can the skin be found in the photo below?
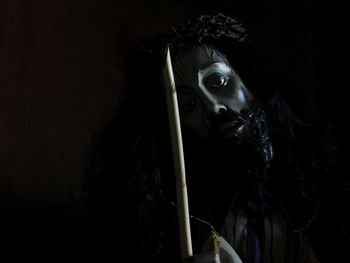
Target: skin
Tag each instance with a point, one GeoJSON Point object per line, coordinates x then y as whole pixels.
{"type": "Point", "coordinates": [207, 84]}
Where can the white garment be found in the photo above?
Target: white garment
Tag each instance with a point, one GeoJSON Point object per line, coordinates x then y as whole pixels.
{"type": "Point", "coordinates": [224, 251]}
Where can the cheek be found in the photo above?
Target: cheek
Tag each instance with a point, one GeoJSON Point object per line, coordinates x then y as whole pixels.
{"type": "Point", "coordinates": [191, 119]}
{"type": "Point", "coordinates": [196, 122]}
{"type": "Point", "coordinates": [236, 97]}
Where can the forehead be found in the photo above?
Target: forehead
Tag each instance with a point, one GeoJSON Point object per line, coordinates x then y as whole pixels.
{"type": "Point", "coordinates": [197, 59]}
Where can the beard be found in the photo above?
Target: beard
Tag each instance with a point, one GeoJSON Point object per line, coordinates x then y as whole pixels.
{"type": "Point", "coordinates": [245, 132]}
{"type": "Point", "coordinates": [238, 147]}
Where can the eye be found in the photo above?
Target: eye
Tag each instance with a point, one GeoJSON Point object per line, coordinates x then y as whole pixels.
{"type": "Point", "coordinates": [188, 104]}
{"type": "Point", "coordinates": [216, 80]}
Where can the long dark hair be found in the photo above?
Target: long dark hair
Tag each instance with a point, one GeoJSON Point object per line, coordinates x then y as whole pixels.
{"type": "Point", "coordinates": [130, 156]}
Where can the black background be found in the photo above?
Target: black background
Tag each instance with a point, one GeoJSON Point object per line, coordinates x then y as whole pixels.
{"type": "Point", "coordinates": [58, 86]}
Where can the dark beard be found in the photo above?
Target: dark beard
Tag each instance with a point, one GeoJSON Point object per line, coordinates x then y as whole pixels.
{"type": "Point", "coordinates": [238, 147]}
{"type": "Point", "coordinates": [245, 132]}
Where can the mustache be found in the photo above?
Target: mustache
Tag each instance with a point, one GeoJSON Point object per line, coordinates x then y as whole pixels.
{"type": "Point", "coordinates": [247, 128]}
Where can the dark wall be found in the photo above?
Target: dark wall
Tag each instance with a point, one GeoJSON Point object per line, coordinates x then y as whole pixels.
{"type": "Point", "coordinates": [58, 86]}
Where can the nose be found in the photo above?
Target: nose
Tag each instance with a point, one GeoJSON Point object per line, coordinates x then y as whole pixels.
{"type": "Point", "coordinates": [212, 105]}
{"type": "Point", "coordinates": [216, 109]}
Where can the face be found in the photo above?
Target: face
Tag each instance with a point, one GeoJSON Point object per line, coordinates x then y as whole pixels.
{"type": "Point", "coordinates": [206, 86]}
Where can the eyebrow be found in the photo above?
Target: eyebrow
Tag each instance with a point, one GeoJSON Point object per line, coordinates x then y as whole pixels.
{"type": "Point", "coordinates": [207, 65]}
{"type": "Point", "coordinates": [203, 72]}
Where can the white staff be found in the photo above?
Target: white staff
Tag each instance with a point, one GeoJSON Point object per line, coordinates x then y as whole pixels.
{"type": "Point", "coordinates": [178, 156]}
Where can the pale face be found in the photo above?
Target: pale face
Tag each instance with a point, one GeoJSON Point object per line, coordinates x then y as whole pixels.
{"type": "Point", "coordinates": [206, 85]}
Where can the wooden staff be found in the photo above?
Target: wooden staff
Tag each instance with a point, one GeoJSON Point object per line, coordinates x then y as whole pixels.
{"type": "Point", "coordinates": [178, 156]}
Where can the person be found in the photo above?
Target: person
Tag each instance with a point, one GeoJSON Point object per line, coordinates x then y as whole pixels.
{"type": "Point", "coordinates": [260, 178]}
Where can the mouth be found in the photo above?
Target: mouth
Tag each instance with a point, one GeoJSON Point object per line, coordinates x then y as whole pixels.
{"type": "Point", "coordinates": [246, 128]}
{"type": "Point", "coordinates": [233, 130]}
